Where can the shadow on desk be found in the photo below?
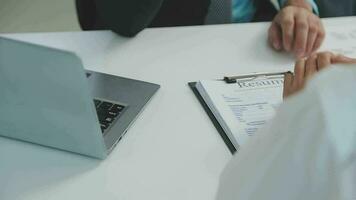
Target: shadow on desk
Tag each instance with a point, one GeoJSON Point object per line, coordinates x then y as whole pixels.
{"type": "Point", "coordinates": [27, 168]}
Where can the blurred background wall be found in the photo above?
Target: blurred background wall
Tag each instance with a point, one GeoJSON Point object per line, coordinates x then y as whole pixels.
{"type": "Point", "coordinates": [37, 16]}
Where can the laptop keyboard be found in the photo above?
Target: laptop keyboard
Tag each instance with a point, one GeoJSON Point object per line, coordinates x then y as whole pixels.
{"type": "Point", "coordinates": [107, 113]}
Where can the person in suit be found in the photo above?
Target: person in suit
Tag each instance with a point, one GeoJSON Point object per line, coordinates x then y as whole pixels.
{"type": "Point", "coordinates": [336, 8]}
{"type": "Point", "coordinates": [295, 28]}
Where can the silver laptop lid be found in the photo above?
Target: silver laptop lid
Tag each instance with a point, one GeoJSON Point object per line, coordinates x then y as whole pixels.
{"type": "Point", "coordinates": [45, 99]}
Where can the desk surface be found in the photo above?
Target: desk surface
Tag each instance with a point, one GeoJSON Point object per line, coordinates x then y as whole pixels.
{"type": "Point", "coordinates": [173, 150]}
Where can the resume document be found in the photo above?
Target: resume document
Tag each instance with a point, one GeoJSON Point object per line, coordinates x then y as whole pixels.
{"type": "Point", "coordinates": [243, 107]}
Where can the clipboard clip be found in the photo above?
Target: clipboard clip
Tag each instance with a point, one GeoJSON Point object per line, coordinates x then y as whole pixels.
{"type": "Point", "coordinates": [233, 79]}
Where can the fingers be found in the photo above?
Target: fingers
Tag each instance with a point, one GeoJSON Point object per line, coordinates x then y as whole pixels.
{"type": "Point", "coordinates": [299, 72]}
{"type": "Point", "coordinates": [287, 26]}
{"type": "Point", "coordinates": [294, 83]}
{"type": "Point", "coordinates": [305, 69]}
{"type": "Point", "coordinates": [274, 36]}
{"type": "Point", "coordinates": [320, 38]}
{"type": "Point", "coordinates": [288, 81]}
{"type": "Point", "coordinates": [311, 66]}
{"type": "Point", "coordinates": [312, 36]}
{"type": "Point", "coordinates": [301, 35]}
{"type": "Point", "coordinates": [324, 60]}
{"type": "Point", "coordinates": [342, 59]}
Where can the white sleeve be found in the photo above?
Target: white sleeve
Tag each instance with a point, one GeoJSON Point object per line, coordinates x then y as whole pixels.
{"type": "Point", "coordinates": [294, 157]}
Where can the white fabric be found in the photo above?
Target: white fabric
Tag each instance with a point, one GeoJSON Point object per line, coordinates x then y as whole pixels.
{"type": "Point", "coordinates": [307, 152]}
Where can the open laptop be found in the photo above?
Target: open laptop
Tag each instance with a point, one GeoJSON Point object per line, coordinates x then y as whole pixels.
{"type": "Point", "coordinates": [47, 98]}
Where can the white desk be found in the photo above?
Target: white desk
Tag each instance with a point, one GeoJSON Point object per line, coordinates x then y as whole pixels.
{"type": "Point", "coordinates": [173, 150]}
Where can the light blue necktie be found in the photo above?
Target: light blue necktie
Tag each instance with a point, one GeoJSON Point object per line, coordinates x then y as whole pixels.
{"type": "Point", "coordinates": [242, 11]}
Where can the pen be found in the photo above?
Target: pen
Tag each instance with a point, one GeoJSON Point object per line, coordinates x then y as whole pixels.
{"type": "Point", "coordinates": [232, 79]}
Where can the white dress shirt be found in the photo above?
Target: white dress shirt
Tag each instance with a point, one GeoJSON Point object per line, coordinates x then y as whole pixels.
{"type": "Point", "coordinates": [307, 152]}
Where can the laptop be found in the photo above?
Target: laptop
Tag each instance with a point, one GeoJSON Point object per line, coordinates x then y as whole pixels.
{"type": "Point", "coordinates": [48, 98]}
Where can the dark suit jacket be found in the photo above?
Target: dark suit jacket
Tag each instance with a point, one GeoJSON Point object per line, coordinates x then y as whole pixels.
{"type": "Point", "coordinates": [128, 17]}
{"type": "Point", "coordinates": [336, 8]}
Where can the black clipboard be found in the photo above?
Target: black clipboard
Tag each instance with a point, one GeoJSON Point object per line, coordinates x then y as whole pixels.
{"type": "Point", "coordinates": [228, 80]}
{"type": "Point", "coordinates": [221, 131]}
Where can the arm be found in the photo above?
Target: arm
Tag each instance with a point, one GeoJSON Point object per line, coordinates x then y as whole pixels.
{"type": "Point", "coordinates": [127, 17]}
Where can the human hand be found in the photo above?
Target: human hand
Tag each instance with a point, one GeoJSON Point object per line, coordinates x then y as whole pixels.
{"type": "Point", "coordinates": [296, 29]}
{"type": "Point", "coordinates": [306, 68]}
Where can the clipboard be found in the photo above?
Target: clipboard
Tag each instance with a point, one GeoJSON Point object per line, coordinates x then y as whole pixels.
{"type": "Point", "coordinates": [229, 80]}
